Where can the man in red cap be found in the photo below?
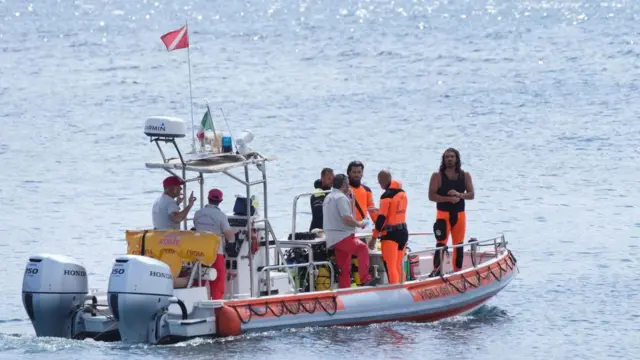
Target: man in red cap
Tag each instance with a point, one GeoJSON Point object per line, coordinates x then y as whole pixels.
{"type": "Point", "coordinates": [211, 219]}
{"type": "Point", "coordinates": [166, 213]}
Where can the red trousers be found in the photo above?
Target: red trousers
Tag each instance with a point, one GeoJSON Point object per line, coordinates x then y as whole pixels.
{"type": "Point", "coordinates": [344, 249]}
{"type": "Point", "coordinates": [217, 286]}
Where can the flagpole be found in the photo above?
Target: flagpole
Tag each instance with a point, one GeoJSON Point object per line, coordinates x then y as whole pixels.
{"type": "Point", "coordinates": [193, 139]}
{"type": "Point", "coordinates": [213, 127]}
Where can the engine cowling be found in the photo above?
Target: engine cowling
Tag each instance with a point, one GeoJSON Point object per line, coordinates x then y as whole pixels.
{"type": "Point", "coordinates": [139, 291]}
{"type": "Point", "coordinates": [53, 287]}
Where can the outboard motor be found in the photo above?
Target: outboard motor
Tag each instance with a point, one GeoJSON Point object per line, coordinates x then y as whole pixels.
{"type": "Point", "coordinates": [53, 288]}
{"type": "Point", "coordinates": [140, 291]}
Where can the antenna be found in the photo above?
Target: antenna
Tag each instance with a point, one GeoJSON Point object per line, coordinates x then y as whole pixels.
{"type": "Point", "coordinates": [230, 133]}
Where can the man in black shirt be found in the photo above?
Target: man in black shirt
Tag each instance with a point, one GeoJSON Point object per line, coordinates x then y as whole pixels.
{"type": "Point", "coordinates": [324, 183]}
{"type": "Point", "coordinates": [449, 188]}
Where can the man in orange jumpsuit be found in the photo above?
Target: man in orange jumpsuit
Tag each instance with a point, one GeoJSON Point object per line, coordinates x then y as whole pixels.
{"type": "Point", "coordinates": [362, 195]}
{"type": "Point", "coordinates": [391, 225]}
{"type": "Point", "coordinates": [449, 188]}
{"type": "Point", "coordinates": [362, 200]}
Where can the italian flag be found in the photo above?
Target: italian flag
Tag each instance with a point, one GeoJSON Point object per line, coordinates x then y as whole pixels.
{"type": "Point", "coordinates": [205, 124]}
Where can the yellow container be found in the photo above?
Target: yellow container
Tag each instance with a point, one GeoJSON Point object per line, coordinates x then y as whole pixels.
{"type": "Point", "coordinates": [323, 281]}
{"type": "Point", "coordinates": [354, 272]}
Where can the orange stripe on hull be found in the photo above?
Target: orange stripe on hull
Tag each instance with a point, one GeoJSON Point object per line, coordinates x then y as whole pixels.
{"type": "Point", "coordinates": [453, 284]}
{"type": "Point", "coordinates": [287, 305]}
{"type": "Point", "coordinates": [306, 296]}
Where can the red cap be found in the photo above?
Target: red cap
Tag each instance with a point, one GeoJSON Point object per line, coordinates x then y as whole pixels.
{"type": "Point", "coordinates": [215, 194]}
{"type": "Point", "coordinates": [172, 181]}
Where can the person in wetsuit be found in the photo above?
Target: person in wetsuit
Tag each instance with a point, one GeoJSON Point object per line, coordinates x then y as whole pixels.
{"type": "Point", "coordinates": [362, 194]}
{"type": "Point", "coordinates": [361, 201]}
{"type": "Point", "coordinates": [391, 226]}
{"type": "Point", "coordinates": [449, 188]}
{"type": "Point", "coordinates": [323, 184]}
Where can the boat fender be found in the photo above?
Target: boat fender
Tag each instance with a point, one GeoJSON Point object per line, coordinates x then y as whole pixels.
{"type": "Point", "coordinates": [440, 229]}
{"type": "Point", "coordinates": [227, 322]}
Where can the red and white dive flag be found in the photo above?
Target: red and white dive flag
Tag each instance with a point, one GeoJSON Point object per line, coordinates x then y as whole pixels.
{"type": "Point", "coordinates": [177, 39]}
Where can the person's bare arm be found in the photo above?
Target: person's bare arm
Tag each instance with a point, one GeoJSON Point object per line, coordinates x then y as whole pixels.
{"type": "Point", "coordinates": [468, 182]}
{"type": "Point", "coordinates": [178, 216]}
{"type": "Point", "coordinates": [230, 234]}
{"type": "Point", "coordinates": [228, 231]}
{"type": "Point", "coordinates": [350, 221]}
{"type": "Point", "coordinates": [433, 190]}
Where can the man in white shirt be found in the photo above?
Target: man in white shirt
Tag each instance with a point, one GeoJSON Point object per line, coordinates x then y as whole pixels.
{"type": "Point", "coordinates": [166, 213]}
{"type": "Point", "coordinates": [211, 219]}
{"type": "Point", "coordinates": [339, 227]}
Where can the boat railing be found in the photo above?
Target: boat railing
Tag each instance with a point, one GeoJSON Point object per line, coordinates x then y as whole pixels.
{"type": "Point", "coordinates": [279, 254]}
{"type": "Point", "coordinates": [498, 243]}
{"type": "Point", "coordinates": [311, 264]}
{"type": "Point", "coordinates": [195, 274]}
{"type": "Point", "coordinates": [196, 271]}
{"type": "Point", "coordinates": [308, 244]}
{"type": "Point", "coordinates": [295, 207]}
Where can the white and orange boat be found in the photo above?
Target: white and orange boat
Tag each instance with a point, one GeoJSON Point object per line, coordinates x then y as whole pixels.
{"type": "Point", "coordinates": [267, 288]}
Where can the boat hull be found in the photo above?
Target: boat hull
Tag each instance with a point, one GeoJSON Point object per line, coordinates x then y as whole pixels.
{"type": "Point", "coordinates": [426, 300]}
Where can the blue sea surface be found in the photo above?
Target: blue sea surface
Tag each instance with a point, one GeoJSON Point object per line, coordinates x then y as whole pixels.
{"type": "Point", "coordinates": [540, 97]}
